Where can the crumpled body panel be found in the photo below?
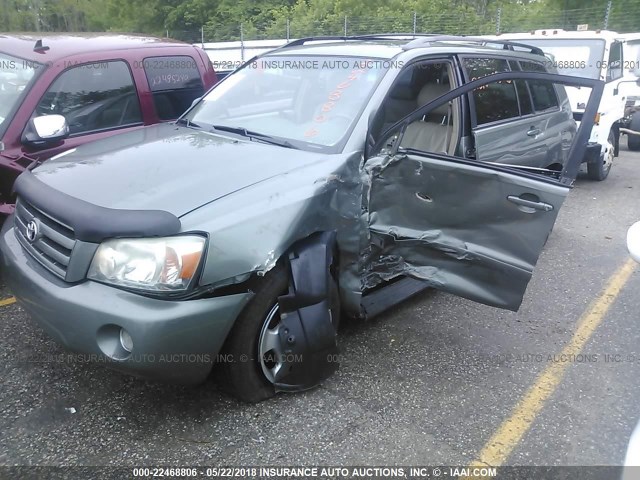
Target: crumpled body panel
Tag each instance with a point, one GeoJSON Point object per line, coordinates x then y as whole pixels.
{"type": "Point", "coordinates": [441, 221]}
{"type": "Point", "coordinates": [253, 228]}
{"type": "Point", "coordinates": [450, 224]}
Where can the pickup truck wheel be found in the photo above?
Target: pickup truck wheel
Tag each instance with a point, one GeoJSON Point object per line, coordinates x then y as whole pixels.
{"type": "Point", "coordinates": [633, 141]}
{"type": "Point", "coordinates": [242, 369]}
{"type": "Point", "coordinates": [600, 170]}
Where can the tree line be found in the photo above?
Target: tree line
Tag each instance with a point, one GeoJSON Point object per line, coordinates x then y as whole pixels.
{"type": "Point", "coordinates": [230, 19]}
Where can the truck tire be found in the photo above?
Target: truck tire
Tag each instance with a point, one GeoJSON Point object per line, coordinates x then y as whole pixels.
{"type": "Point", "coordinates": [633, 141]}
{"type": "Point", "coordinates": [600, 170]}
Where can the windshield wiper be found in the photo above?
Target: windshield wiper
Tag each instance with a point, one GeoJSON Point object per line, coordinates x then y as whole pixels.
{"type": "Point", "coordinates": [261, 137]}
{"type": "Point", "coordinates": [187, 123]}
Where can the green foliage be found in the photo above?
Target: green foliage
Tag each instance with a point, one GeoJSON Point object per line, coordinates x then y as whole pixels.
{"type": "Point", "coordinates": [229, 19]}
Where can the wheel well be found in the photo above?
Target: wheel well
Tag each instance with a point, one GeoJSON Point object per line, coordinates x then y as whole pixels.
{"type": "Point", "coordinates": [320, 236]}
{"type": "Point", "coordinates": [252, 283]}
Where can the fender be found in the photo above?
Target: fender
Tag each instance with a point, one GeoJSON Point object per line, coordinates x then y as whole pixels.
{"type": "Point", "coordinates": [310, 315]}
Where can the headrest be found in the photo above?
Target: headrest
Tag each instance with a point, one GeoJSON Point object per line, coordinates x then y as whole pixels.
{"type": "Point", "coordinates": [430, 92]}
{"type": "Point", "coordinates": [402, 92]}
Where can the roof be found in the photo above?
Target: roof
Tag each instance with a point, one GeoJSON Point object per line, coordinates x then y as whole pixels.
{"type": "Point", "coordinates": [69, 44]}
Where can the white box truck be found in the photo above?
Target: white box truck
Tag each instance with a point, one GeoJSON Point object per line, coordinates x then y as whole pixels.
{"type": "Point", "coordinates": [604, 55]}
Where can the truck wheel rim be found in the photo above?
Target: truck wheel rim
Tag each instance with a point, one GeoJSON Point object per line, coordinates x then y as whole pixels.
{"type": "Point", "coordinates": [269, 348]}
{"type": "Point", "coordinates": [608, 156]}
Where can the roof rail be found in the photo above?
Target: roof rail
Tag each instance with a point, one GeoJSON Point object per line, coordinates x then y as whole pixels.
{"type": "Point", "coordinates": [419, 40]}
{"type": "Point", "coordinates": [505, 44]}
{"type": "Point", "coordinates": [373, 36]}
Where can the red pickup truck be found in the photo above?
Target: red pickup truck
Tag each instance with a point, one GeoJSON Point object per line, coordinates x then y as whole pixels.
{"type": "Point", "coordinates": [101, 84]}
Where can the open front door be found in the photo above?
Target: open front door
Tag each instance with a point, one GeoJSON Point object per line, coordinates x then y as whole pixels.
{"type": "Point", "coordinates": [466, 227]}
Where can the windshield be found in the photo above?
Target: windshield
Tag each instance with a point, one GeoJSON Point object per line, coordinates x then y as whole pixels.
{"type": "Point", "coordinates": [15, 76]}
{"type": "Point", "coordinates": [575, 57]}
{"type": "Point", "coordinates": [310, 101]}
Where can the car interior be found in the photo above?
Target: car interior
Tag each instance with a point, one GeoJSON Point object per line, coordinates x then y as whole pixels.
{"type": "Point", "coordinates": [419, 85]}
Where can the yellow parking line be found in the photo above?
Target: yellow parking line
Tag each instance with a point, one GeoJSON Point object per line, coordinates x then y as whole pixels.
{"type": "Point", "coordinates": [506, 438]}
{"type": "Point", "coordinates": [7, 301]}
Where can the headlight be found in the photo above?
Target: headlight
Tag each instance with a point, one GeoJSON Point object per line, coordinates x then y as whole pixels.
{"type": "Point", "coordinates": [154, 264]}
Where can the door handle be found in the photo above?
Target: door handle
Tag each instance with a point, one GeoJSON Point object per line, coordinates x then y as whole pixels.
{"type": "Point", "coordinates": [529, 205]}
{"type": "Point", "coordinates": [533, 132]}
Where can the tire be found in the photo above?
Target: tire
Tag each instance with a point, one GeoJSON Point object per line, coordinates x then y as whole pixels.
{"type": "Point", "coordinates": [600, 170]}
{"type": "Point", "coordinates": [633, 141]}
{"type": "Point", "coordinates": [241, 378]}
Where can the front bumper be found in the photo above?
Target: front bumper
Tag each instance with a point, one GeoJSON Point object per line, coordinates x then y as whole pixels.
{"type": "Point", "coordinates": [173, 341]}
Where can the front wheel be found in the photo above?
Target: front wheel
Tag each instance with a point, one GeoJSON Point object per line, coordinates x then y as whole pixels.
{"type": "Point", "coordinates": [258, 352]}
{"type": "Point", "coordinates": [243, 372]}
{"type": "Point", "coordinates": [600, 170]}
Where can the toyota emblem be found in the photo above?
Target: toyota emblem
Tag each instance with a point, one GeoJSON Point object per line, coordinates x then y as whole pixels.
{"type": "Point", "coordinates": [32, 231]}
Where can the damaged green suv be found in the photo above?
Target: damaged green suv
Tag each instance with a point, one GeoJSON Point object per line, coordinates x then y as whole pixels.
{"type": "Point", "coordinates": [331, 177]}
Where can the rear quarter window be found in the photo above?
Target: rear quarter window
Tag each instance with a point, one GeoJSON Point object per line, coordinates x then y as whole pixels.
{"type": "Point", "coordinates": [175, 82]}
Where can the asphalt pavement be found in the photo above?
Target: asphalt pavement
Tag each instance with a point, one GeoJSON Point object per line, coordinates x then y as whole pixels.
{"type": "Point", "coordinates": [428, 383]}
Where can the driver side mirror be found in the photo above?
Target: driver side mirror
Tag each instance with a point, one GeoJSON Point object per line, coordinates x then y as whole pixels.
{"type": "Point", "coordinates": [45, 130]}
{"type": "Point", "coordinates": [633, 241]}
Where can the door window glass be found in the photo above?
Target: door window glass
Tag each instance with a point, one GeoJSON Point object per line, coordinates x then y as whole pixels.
{"type": "Point", "coordinates": [93, 97]}
{"type": "Point", "coordinates": [496, 101]}
{"type": "Point", "coordinates": [543, 95]}
{"type": "Point", "coordinates": [614, 69]}
{"type": "Point", "coordinates": [524, 98]}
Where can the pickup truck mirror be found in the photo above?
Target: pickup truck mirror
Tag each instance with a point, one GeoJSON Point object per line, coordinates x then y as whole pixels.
{"type": "Point", "coordinates": [45, 130]}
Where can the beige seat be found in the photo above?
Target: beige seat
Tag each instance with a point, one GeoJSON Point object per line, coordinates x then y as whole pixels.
{"type": "Point", "coordinates": [432, 133]}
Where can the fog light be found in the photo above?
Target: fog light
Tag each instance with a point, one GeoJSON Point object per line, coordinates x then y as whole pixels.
{"type": "Point", "coordinates": [125, 340]}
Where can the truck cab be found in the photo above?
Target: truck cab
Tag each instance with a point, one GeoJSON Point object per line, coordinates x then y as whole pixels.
{"type": "Point", "coordinates": [631, 122]}
{"type": "Point", "coordinates": [99, 85]}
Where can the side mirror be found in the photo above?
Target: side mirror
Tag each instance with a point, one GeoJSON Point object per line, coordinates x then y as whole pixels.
{"type": "Point", "coordinates": [195, 100]}
{"type": "Point", "coordinates": [633, 241]}
{"type": "Point", "coordinates": [45, 130]}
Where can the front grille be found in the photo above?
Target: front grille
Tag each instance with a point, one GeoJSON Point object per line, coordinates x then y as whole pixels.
{"type": "Point", "coordinates": [53, 242]}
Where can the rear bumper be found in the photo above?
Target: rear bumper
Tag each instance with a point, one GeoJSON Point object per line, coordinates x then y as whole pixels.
{"type": "Point", "coordinates": [173, 341]}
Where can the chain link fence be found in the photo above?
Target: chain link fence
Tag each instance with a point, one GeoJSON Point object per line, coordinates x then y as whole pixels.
{"type": "Point", "coordinates": [613, 16]}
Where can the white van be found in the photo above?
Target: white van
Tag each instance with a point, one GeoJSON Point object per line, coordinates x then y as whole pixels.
{"type": "Point", "coordinates": [599, 54]}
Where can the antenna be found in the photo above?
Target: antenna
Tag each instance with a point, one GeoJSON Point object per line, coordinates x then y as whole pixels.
{"type": "Point", "coordinates": [39, 47]}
